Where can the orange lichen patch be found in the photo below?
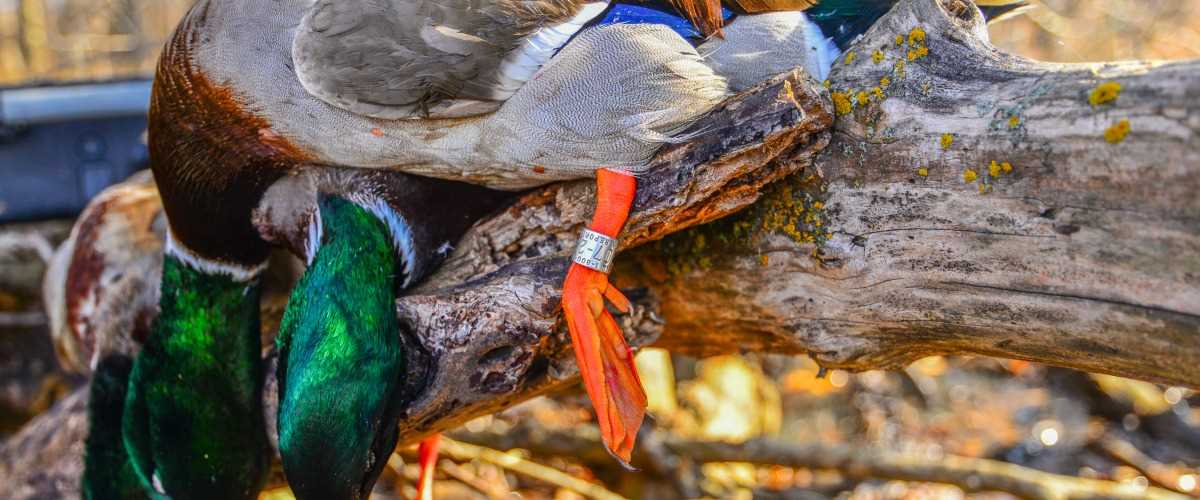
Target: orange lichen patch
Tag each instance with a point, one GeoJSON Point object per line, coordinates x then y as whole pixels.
{"type": "Point", "coordinates": [994, 169]}
{"type": "Point", "coordinates": [899, 40]}
{"type": "Point", "coordinates": [1117, 132]}
{"type": "Point", "coordinates": [878, 93]}
{"type": "Point", "coordinates": [1006, 167]}
{"type": "Point", "coordinates": [862, 98]}
{"type": "Point", "coordinates": [849, 58]}
{"type": "Point", "coordinates": [1104, 93]}
{"type": "Point", "coordinates": [841, 103]}
{"type": "Point", "coordinates": [877, 56]}
{"type": "Point", "coordinates": [947, 141]}
{"type": "Point", "coordinates": [377, 132]}
{"type": "Point", "coordinates": [923, 172]}
{"type": "Point", "coordinates": [1014, 121]}
{"type": "Point", "coordinates": [885, 82]}
{"type": "Point", "coordinates": [764, 260]}
{"type": "Point", "coordinates": [538, 169]}
{"type": "Point", "coordinates": [969, 176]}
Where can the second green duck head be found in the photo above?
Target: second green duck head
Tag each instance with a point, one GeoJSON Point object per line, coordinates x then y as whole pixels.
{"type": "Point", "coordinates": [340, 358]}
{"type": "Point", "coordinates": [342, 365]}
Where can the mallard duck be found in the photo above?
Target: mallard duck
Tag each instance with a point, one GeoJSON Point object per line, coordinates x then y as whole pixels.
{"type": "Point", "coordinates": [108, 473]}
{"type": "Point", "coordinates": [502, 94]}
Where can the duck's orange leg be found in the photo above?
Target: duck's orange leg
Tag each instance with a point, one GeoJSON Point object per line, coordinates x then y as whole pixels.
{"type": "Point", "coordinates": [427, 453]}
{"type": "Point", "coordinates": [605, 360]}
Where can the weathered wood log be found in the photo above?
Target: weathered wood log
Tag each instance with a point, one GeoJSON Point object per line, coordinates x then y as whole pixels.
{"type": "Point", "coordinates": [1085, 255]}
{"type": "Point", "coordinates": [900, 240]}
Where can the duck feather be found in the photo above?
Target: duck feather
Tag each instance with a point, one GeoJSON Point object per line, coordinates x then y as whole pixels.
{"type": "Point", "coordinates": [429, 58]}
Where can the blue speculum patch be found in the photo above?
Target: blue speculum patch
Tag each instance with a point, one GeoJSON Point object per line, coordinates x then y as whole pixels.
{"type": "Point", "coordinates": [654, 13]}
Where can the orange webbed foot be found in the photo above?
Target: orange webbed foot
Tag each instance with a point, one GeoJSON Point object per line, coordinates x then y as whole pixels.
{"type": "Point", "coordinates": [605, 360]}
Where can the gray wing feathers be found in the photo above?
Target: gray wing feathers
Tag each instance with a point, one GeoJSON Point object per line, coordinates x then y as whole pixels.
{"type": "Point", "coordinates": [413, 58]}
{"type": "Point", "coordinates": [610, 99]}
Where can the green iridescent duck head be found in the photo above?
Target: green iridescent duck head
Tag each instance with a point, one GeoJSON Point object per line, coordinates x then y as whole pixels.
{"type": "Point", "coordinates": [340, 357]}
{"type": "Point", "coordinates": [108, 473]}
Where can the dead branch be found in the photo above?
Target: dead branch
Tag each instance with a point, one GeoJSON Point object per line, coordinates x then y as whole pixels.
{"type": "Point", "coordinates": [467, 451]}
{"type": "Point", "coordinates": [1084, 255]}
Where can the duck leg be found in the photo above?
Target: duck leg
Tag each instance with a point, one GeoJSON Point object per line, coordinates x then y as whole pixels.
{"type": "Point", "coordinates": [427, 453]}
{"type": "Point", "coordinates": [605, 360]}
{"type": "Point", "coordinates": [340, 357]}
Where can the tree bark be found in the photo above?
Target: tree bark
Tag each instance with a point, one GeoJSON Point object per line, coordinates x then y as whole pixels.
{"type": "Point", "coordinates": [877, 251]}
{"type": "Point", "coordinates": [1086, 255]}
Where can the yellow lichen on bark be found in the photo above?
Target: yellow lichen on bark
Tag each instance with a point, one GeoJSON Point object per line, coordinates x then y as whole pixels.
{"type": "Point", "coordinates": [841, 103]}
{"type": "Point", "coordinates": [916, 36]}
{"type": "Point", "coordinates": [947, 141]}
{"type": "Point", "coordinates": [1104, 93]}
{"type": "Point", "coordinates": [917, 53]}
{"type": "Point", "coordinates": [1117, 132]}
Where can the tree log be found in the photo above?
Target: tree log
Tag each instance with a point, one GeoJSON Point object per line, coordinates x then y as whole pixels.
{"type": "Point", "coordinates": [1086, 255]}
{"type": "Point", "coordinates": [884, 247]}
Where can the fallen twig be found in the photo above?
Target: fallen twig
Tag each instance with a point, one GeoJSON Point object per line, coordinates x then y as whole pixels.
{"type": "Point", "coordinates": [970, 474]}
{"type": "Point", "coordinates": [469, 478]}
{"type": "Point", "coordinates": [466, 451]}
{"type": "Point", "coordinates": [1126, 453]}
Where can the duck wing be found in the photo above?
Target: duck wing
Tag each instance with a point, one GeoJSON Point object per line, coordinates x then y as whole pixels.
{"type": "Point", "coordinates": [429, 58]}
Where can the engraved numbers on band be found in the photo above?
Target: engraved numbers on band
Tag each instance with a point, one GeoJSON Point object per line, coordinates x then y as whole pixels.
{"type": "Point", "coordinates": [595, 251]}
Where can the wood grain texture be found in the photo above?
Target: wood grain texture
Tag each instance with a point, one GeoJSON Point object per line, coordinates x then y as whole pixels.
{"type": "Point", "coordinates": [1086, 255]}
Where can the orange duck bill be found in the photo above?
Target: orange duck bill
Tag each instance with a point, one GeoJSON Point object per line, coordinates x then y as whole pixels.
{"type": "Point", "coordinates": [605, 360]}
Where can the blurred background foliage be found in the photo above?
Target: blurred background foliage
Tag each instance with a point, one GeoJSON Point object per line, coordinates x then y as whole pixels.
{"type": "Point", "coordinates": [1049, 419]}
{"type": "Point", "coordinates": [57, 40]}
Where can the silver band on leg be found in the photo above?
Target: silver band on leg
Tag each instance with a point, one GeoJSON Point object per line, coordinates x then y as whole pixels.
{"type": "Point", "coordinates": [595, 251]}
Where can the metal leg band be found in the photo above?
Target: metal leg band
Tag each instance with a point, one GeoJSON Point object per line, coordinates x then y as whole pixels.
{"type": "Point", "coordinates": [595, 251]}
